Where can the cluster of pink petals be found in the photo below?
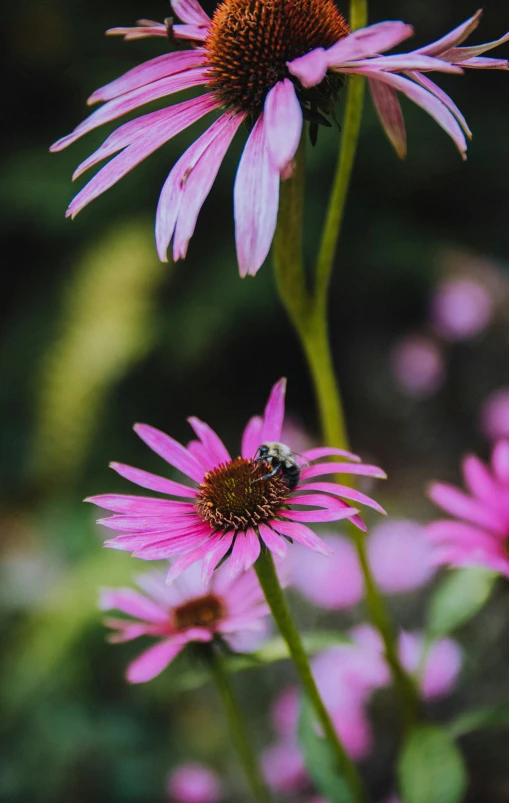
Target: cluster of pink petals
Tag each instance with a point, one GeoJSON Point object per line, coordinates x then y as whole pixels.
{"type": "Point", "coordinates": [478, 533]}
{"type": "Point", "coordinates": [151, 612]}
{"type": "Point", "coordinates": [347, 675]}
{"type": "Point", "coordinates": [399, 554]}
{"type": "Point", "coordinates": [273, 141]}
{"type": "Point", "coordinates": [404, 73]}
{"type": "Point", "coordinates": [194, 783]}
{"type": "Point", "coordinates": [155, 529]}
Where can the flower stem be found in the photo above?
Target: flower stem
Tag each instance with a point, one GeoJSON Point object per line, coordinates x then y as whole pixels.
{"type": "Point", "coordinates": [239, 734]}
{"type": "Point", "coordinates": [309, 311]}
{"type": "Point", "coordinates": [269, 582]}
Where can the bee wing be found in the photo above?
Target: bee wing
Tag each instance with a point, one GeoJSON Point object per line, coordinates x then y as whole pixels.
{"type": "Point", "coordinates": [300, 460]}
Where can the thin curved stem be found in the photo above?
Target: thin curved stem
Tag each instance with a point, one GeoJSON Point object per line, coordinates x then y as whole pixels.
{"type": "Point", "coordinates": [238, 730]}
{"type": "Point", "coordinates": [270, 584]}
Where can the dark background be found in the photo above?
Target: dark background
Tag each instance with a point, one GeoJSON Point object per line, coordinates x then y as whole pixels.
{"type": "Point", "coordinates": [96, 334]}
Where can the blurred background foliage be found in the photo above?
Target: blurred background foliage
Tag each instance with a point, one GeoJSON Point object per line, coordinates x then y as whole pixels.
{"type": "Point", "coordinates": [96, 335]}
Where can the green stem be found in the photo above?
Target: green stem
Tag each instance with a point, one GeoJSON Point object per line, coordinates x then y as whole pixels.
{"type": "Point", "coordinates": [239, 734]}
{"type": "Point", "coordinates": [275, 599]}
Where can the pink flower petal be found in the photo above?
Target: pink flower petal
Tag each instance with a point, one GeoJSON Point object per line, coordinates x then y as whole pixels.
{"type": "Point", "coordinates": [388, 108]}
{"type": "Point", "coordinates": [132, 100]}
{"type": "Point", "coordinates": [283, 123]}
{"type": "Point", "coordinates": [152, 662]}
{"type": "Point", "coordinates": [143, 74]}
{"type": "Point", "coordinates": [421, 97]}
{"type": "Point", "coordinates": [215, 554]}
{"type": "Point", "coordinates": [310, 69]}
{"type": "Point", "coordinates": [302, 534]}
{"type": "Point", "coordinates": [252, 437]}
{"type": "Point", "coordinates": [252, 548]}
{"type": "Point", "coordinates": [325, 451]}
{"type": "Point", "coordinates": [400, 556]}
{"type": "Point", "coordinates": [274, 412]}
{"type": "Point", "coordinates": [455, 531]}
{"type": "Point", "coordinates": [210, 440]}
{"type": "Point", "coordinates": [172, 547]}
{"type": "Point", "coordinates": [319, 500]}
{"type": "Point", "coordinates": [481, 483]}
{"type": "Point", "coordinates": [435, 90]}
{"type": "Point", "coordinates": [457, 503]}
{"type": "Point", "coordinates": [131, 602]}
{"type": "Point", "coordinates": [442, 664]}
{"type": "Point", "coordinates": [334, 583]}
{"type": "Point", "coordinates": [342, 468]}
{"type": "Point", "coordinates": [194, 783]}
{"type": "Point", "coordinates": [239, 555]}
{"type": "Point", "coordinates": [123, 503]}
{"type": "Point", "coordinates": [500, 462]}
{"type": "Point", "coordinates": [194, 33]}
{"type": "Point", "coordinates": [274, 542]}
{"type": "Point", "coordinates": [318, 515]}
{"type": "Point", "coordinates": [198, 183]}
{"type": "Point", "coordinates": [406, 61]}
{"type": "Point", "coordinates": [453, 38]}
{"type": "Point", "coordinates": [191, 12]}
{"type": "Point", "coordinates": [183, 563]}
{"type": "Point", "coordinates": [151, 481]}
{"type": "Point", "coordinates": [125, 630]}
{"type": "Point", "coordinates": [477, 50]}
{"type": "Point", "coordinates": [369, 41]}
{"type": "Point", "coordinates": [343, 491]}
{"type": "Point", "coordinates": [256, 200]}
{"type": "Point", "coordinates": [141, 31]}
{"type": "Point", "coordinates": [170, 450]}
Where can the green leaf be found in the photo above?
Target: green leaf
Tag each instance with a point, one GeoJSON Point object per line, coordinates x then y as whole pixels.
{"type": "Point", "coordinates": [319, 759]}
{"type": "Point", "coordinates": [431, 769]}
{"type": "Point", "coordinates": [496, 716]}
{"type": "Point", "coordinates": [458, 598]}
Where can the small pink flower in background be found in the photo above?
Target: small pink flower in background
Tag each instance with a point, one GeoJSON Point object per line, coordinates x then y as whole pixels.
{"type": "Point", "coordinates": [399, 554]}
{"type": "Point", "coordinates": [359, 54]}
{"type": "Point", "coordinates": [247, 79]}
{"type": "Point", "coordinates": [283, 767]}
{"type": "Point", "coordinates": [441, 666]}
{"type": "Point", "coordinates": [194, 783]}
{"type": "Point", "coordinates": [478, 535]}
{"type": "Point", "coordinates": [182, 613]}
{"type": "Point", "coordinates": [495, 415]}
{"type": "Point", "coordinates": [235, 505]}
{"type": "Point", "coordinates": [417, 366]}
{"type": "Point", "coordinates": [461, 308]}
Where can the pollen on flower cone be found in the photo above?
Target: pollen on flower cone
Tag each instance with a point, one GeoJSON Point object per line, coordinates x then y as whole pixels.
{"type": "Point", "coordinates": [251, 41]}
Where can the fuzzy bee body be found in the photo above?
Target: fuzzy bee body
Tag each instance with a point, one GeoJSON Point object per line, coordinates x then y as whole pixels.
{"type": "Point", "coordinates": [281, 459]}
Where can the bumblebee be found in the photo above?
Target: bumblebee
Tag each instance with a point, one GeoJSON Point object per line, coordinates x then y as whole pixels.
{"type": "Point", "coordinates": [281, 459]}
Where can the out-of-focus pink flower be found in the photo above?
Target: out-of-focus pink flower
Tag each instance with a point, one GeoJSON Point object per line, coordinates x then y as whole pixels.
{"type": "Point", "coordinates": [461, 308]}
{"type": "Point", "coordinates": [285, 712]}
{"type": "Point", "coordinates": [333, 583]}
{"type": "Point", "coordinates": [283, 767]}
{"type": "Point", "coordinates": [442, 664]}
{"type": "Point", "coordinates": [495, 415]}
{"type": "Point", "coordinates": [247, 79]}
{"type": "Point", "coordinates": [214, 522]}
{"type": "Point", "coordinates": [194, 783]}
{"type": "Point", "coordinates": [358, 53]}
{"type": "Point", "coordinates": [182, 613]}
{"type": "Point", "coordinates": [417, 366]}
{"type": "Point", "coordinates": [478, 535]}
{"type": "Point", "coordinates": [400, 555]}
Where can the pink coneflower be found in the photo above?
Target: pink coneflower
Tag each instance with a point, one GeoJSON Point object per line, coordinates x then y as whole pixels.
{"type": "Point", "coordinates": [363, 47]}
{"type": "Point", "coordinates": [417, 365]}
{"type": "Point", "coordinates": [235, 506]}
{"type": "Point", "coordinates": [479, 533]}
{"type": "Point", "coordinates": [247, 58]}
{"type": "Point", "coordinates": [183, 613]}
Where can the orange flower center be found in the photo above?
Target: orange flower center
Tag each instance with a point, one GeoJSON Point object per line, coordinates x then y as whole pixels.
{"type": "Point", "coordinates": [200, 612]}
{"type": "Point", "coordinates": [237, 495]}
{"type": "Point", "coordinates": [250, 42]}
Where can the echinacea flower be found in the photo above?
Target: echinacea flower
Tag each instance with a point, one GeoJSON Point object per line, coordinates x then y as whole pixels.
{"type": "Point", "coordinates": [182, 613]}
{"type": "Point", "coordinates": [358, 53]}
{"type": "Point", "coordinates": [478, 535]}
{"type": "Point", "coordinates": [236, 505]}
{"type": "Point", "coordinates": [248, 59]}
{"type": "Point", "coordinates": [194, 783]}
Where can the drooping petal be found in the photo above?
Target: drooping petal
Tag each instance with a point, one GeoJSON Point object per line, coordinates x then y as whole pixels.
{"type": "Point", "coordinates": [198, 183]}
{"type": "Point", "coordinates": [273, 541]}
{"type": "Point", "coordinates": [304, 535]}
{"type": "Point", "coordinates": [146, 73]}
{"type": "Point", "coordinates": [326, 451]}
{"type": "Point", "coordinates": [404, 62]}
{"type": "Point", "coordinates": [191, 12]}
{"type": "Point", "coordinates": [359, 469]}
{"type": "Point", "coordinates": [388, 108]}
{"type": "Point", "coordinates": [274, 412]}
{"type": "Point", "coordinates": [252, 437]}
{"type": "Point", "coordinates": [463, 53]}
{"type": "Point", "coordinates": [369, 41]}
{"type": "Point", "coordinates": [216, 553]}
{"type": "Point", "coordinates": [143, 29]}
{"type": "Point", "coordinates": [342, 491]}
{"type": "Point", "coordinates": [183, 563]}
{"type": "Point", "coordinates": [132, 100]}
{"type": "Point", "coordinates": [283, 123]}
{"type": "Point", "coordinates": [176, 185]}
{"type": "Point", "coordinates": [170, 450]}
{"type": "Point", "coordinates": [453, 38]}
{"type": "Point", "coordinates": [318, 515]}
{"type": "Point", "coordinates": [310, 69]}
{"type": "Point", "coordinates": [152, 662]}
{"type": "Point", "coordinates": [480, 63]}
{"type": "Point", "coordinates": [173, 547]}
{"type": "Point", "coordinates": [152, 482]}
{"type": "Point", "coordinates": [256, 201]}
{"type": "Point", "coordinates": [439, 93]}
{"type": "Point", "coordinates": [421, 97]}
